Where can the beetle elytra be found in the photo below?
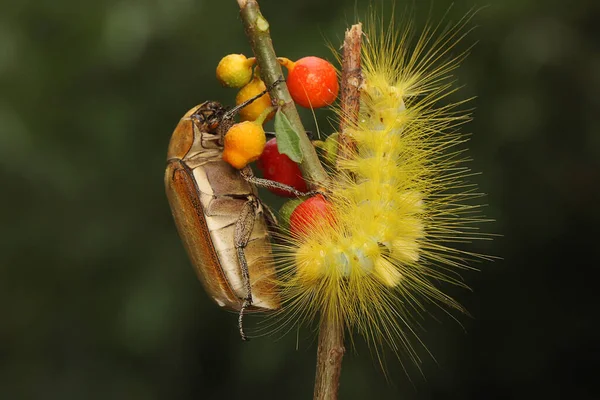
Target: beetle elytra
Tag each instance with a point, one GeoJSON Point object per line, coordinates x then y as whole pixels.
{"type": "Point", "coordinates": [218, 215]}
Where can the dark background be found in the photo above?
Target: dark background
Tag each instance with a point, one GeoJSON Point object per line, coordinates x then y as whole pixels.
{"type": "Point", "coordinates": [98, 300]}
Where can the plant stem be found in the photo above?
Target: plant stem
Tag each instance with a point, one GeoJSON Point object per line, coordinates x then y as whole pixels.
{"type": "Point", "coordinates": [257, 30]}
{"type": "Point", "coordinates": [329, 359]}
{"type": "Point", "coordinates": [352, 81]}
{"type": "Point", "coordinates": [331, 332]}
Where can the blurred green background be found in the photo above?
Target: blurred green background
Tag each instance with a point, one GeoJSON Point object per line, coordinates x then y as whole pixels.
{"type": "Point", "coordinates": [98, 298]}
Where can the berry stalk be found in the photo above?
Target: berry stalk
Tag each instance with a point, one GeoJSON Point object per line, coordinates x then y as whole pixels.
{"type": "Point", "coordinates": [257, 30]}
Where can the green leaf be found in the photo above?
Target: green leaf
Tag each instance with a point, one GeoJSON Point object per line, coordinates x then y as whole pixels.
{"type": "Point", "coordinates": [288, 139]}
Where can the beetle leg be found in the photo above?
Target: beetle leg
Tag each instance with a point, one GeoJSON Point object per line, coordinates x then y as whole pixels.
{"type": "Point", "coordinates": [242, 233]}
{"type": "Point", "coordinates": [248, 175]}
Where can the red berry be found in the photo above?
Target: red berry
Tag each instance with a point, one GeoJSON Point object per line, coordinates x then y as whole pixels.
{"type": "Point", "coordinates": [310, 214]}
{"type": "Point", "coordinates": [279, 168]}
{"type": "Point", "coordinates": [312, 82]}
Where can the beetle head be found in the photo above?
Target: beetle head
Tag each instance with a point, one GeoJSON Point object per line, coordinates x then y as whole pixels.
{"type": "Point", "coordinates": [208, 116]}
{"type": "Point", "coordinates": [211, 120]}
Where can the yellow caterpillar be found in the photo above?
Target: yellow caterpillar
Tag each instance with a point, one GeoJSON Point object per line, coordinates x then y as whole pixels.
{"type": "Point", "coordinates": [399, 200]}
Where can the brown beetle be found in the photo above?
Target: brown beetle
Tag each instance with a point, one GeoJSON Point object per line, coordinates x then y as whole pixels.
{"type": "Point", "coordinates": [220, 219]}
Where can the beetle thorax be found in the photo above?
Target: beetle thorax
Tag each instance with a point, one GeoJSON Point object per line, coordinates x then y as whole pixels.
{"type": "Point", "coordinates": [199, 135]}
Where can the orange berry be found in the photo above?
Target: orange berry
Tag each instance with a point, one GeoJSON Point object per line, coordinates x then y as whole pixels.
{"type": "Point", "coordinates": [235, 70]}
{"type": "Point", "coordinates": [244, 143]}
{"type": "Point", "coordinates": [312, 81]}
{"type": "Point", "coordinates": [253, 110]}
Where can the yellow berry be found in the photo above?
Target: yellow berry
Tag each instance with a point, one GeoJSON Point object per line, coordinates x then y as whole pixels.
{"type": "Point", "coordinates": [244, 143]}
{"type": "Point", "coordinates": [235, 70]}
{"type": "Point", "coordinates": [330, 147]}
{"type": "Point", "coordinates": [253, 110]}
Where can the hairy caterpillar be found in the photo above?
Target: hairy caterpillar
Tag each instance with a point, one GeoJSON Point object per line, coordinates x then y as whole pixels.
{"type": "Point", "coordinates": [399, 200]}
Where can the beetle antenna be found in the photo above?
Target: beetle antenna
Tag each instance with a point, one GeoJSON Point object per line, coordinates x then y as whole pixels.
{"type": "Point", "coordinates": [230, 113]}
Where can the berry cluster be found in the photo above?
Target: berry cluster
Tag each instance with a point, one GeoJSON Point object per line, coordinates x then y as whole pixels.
{"type": "Point", "coordinates": [312, 83]}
